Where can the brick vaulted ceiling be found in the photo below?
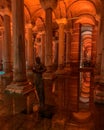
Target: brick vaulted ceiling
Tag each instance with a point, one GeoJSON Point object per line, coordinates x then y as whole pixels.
{"type": "Point", "coordinates": [70, 9]}
{"type": "Point", "coordinates": [65, 9]}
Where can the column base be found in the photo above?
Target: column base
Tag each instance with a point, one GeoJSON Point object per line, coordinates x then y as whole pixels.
{"type": "Point", "coordinates": [72, 125]}
{"type": "Point", "coordinates": [19, 88]}
{"type": "Point", "coordinates": [82, 116]}
{"type": "Point", "coordinates": [7, 78]}
{"type": "Point", "coordinates": [23, 97]}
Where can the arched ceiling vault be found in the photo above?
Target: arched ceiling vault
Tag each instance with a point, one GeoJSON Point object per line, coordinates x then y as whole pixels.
{"type": "Point", "coordinates": [65, 9]}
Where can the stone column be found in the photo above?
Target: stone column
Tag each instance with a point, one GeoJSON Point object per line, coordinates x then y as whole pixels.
{"type": "Point", "coordinates": [29, 46]}
{"type": "Point", "coordinates": [6, 53]}
{"type": "Point", "coordinates": [102, 66]}
{"type": "Point", "coordinates": [20, 89]}
{"type": "Point", "coordinates": [61, 47]}
{"type": "Point", "coordinates": [1, 46]}
{"type": "Point", "coordinates": [68, 47]}
{"type": "Point", "coordinates": [43, 47]}
{"type": "Point", "coordinates": [29, 52]}
{"type": "Point", "coordinates": [99, 53]}
{"type": "Point", "coordinates": [48, 45]}
{"type": "Point", "coordinates": [7, 42]}
{"type": "Point", "coordinates": [99, 88]}
{"type": "Point", "coordinates": [19, 60]}
{"type": "Point", "coordinates": [55, 54]}
{"type": "Point", "coordinates": [100, 50]}
{"type": "Point", "coordinates": [48, 5]}
{"type": "Point", "coordinates": [2, 40]}
{"type": "Point", "coordinates": [19, 42]}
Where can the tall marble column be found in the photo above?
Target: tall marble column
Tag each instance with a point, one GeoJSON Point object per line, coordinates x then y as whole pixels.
{"type": "Point", "coordinates": [20, 89]}
{"type": "Point", "coordinates": [19, 60]}
{"type": "Point", "coordinates": [61, 47]}
{"type": "Point", "coordinates": [2, 40]}
{"type": "Point", "coordinates": [99, 88]}
{"type": "Point", "coordinates": [48, 45]}
{"type": "Point", "coordinates": [6, 53]}
{"type": "Point", "coordinates": [102, 53]}
{"type": "Point", "coordinates": [43, 47]}
{"type": "Point", "coordinates": [7, 42]}
{"type": "Point", "coordinates": [1, 46]}
{"type": "Point", "coordinates": [68, 47]}
{"type": "Point", "coordinates": [29, 47]}
{"type": "Point", "coordinates": [48, 5]}
{"type": "Point", "coordinates": [29, 52]}
{"type": "Point", "coordinates": [55, 53]}
{"type": "Point", "coordinates": [99, 52]}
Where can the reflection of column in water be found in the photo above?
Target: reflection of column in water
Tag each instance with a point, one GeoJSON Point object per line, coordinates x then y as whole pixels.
{"type": "Point", "coordinates": [85, 87]}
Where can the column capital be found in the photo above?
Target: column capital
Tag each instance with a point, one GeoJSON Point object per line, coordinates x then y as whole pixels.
{"type": "Point", "coordinates": [42, 32]}
{"type": "Point", "coordinates": [48, 4]}
{"type": "Point", "coordinates": [29, 25]}
{"type": "Point", "coordinates": [61, 21]}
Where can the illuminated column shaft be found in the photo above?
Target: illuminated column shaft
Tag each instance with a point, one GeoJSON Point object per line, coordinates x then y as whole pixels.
{"type": "Point", "coordinates": [61, 47]}
{"type": "Point", "coordinates": [102, 54]}
{"type": "Point", "coordinates": [29, 47]}
{"type": "Point", "coordinates": [19, 71]}
{"type": "Point", "coordinates": [55, 52]}
{"type": "Point", "coordinates": [1, 46]}
{"type": "Point", "coordinates": [68, 44]}
{"type": "Point", "coordinates": [99, 51]}
{"type": "Point", "coordinates": [7, 45]}
{"type": "Point", "coordinates": [48, 6]}
{"type": "Point", "coordinates": [43, 47]}
{"type": "Point", "coordinates": [102, 65]}
{"type": "Point", "coordinates": [2, 41]}
{"type": "Point", "coordinates": [99, 90]}
{"type": "Point", "coordinates": [48, 45]}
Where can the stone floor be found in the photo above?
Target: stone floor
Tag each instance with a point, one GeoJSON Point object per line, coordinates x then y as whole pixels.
{"type": "Point", "coordinates": [36, 121]}
{"type": "Point", "coordinates": [24, 122]}
{"type": "Point", "coordinates": [99, 116]}
{"type": "Point", "coordinates": [33, 122]}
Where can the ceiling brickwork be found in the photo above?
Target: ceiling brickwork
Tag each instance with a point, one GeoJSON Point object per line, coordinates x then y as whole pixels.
{"type": "Point", "coordinates": [65, 9]}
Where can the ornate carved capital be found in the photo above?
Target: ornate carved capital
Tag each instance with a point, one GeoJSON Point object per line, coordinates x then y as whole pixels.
{"type": "Point", "coordinates": [48, 3]}
{"type": "Point", "coordinates": [29, 25]}
{"type": "Point", "coordinates": [61, 21]}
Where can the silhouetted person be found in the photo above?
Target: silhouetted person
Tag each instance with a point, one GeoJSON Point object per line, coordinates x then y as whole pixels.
{"type": "Point", "coordinates": [39, 69]}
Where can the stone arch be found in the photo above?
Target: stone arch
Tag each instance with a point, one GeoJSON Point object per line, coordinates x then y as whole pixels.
{"type": "Point", "coordinates": [27, 14]}
{"type": "Point", "coordinates": [39, 24]}
{"type": "Point", "coordinates": [86, 19]}
{"type": "Point", "coordinates": [82, 7]}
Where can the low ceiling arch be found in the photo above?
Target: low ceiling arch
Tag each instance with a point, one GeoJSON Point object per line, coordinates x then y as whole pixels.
{"type": "Point", "coordinates": [81, 7]}
{"type": "Point", "coordinates": [64, 9]}
{"type": "Point", "coordinates": [86, 19]}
